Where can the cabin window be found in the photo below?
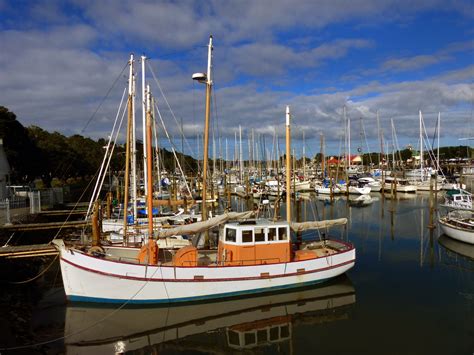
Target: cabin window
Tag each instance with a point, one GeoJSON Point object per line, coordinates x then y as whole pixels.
{"type": "Point", "coordinates": [230, 235]}
{"type": "Point", "coordinates": [274, 333]}
{"type": "Point", "coordinates": [249, 338]}
{"type": "Point", "coordinates": [282, 233]}
{"type": "Point", "coordinates": [234, 338]}
{"type": "Point", "coordinates": [285, 331]}
{"type": "Point", "coordinates": [247, 236]}
{"type": "Point", "coordinates": [272, 234]}
{"type": "Point", "coordinates": [259, 235]}
{"type": "Point", "coordinates": [262, 336]}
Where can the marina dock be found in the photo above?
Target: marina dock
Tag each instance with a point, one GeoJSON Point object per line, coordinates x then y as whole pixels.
{"type": "Point", "coordinates": [25, 251]}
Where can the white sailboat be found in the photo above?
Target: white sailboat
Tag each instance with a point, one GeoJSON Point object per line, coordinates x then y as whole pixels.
{"type": "Point", "coordinates": [458, 225]}
{"type": "Point", "coordinates": [399, 184]}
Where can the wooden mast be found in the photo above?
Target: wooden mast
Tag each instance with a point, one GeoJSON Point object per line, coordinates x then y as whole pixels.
{"type": "Point", "coordinates": [127, 150]}
{"type": "Point", "coordinates": [288, 166]}
{"type": "Point", "coordinates": [206, 131]}
{"type": "Point", "coordinates": [149, 196]}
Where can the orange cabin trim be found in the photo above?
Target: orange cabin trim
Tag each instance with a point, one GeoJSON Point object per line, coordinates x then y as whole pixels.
{"type": "Point", "coordinates": [253, 254]}
{"type": "Point", "coordinates": [148, 253]}
{"type": "Point", "coordinates": [186, 256]}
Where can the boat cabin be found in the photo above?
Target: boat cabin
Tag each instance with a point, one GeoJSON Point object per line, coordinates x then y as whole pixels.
{"type": "Point", "coordinates": [254, 242]}
{"type": "Point", "coordinates": [458, 199]}
{"type": "Point", "coordinates": [259, 333]}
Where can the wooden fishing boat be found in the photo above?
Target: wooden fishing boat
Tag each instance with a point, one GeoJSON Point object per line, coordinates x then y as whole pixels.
{"type": "Point", "coordinates": [458, 225]}
{"type": "Point", "coordinates": [251, 257]}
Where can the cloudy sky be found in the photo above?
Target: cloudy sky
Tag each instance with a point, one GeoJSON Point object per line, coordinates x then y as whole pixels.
{"type": "Point", "coordinates": [63, 66]}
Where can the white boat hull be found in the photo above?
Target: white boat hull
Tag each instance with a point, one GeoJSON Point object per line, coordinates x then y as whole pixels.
{"type": "Point", "coordinates": [455, 232]}
{"type": "Point", "coordinates": [354, 190]}
{"type": "Point", "coordinates": [327, 190]}
{"type": "Point", "coordinates": [301, 186]}
{"type": "Point", "coordinates": [92, 279]}
{"type": "Point", "coordinates": [401, 188]}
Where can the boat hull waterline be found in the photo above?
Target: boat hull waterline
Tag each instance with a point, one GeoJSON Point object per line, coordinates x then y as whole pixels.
{"type": "Point", "coordinates": [456, 232]}
{"type": "Point", "coordinates": [91, 279]}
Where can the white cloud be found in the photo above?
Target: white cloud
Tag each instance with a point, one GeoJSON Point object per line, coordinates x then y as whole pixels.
{"type": "Point", "coordinates": [55, 76]}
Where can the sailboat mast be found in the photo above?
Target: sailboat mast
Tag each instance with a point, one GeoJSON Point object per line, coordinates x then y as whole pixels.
{"type": "Point", "coordinates": [304, 157]}
{"type": "Point", "coordinates": [288, 165]}
{"type": "Point", "coordinates": [240, 155]}
{"type": "Point", "coordinates": [438, 167]}
{"type": "Point", "coordinates": [134, 152]}
{"type": "Point", "coordinates": [381, 140]}
{"type": "Point", "coordinates": [157, 147]}
{"type": "Point", "coordinates": [149, 179]}
{"type": "Point", "coordinates": [127, 150]}
{"type": "Point", "coordinates": [144, 113]}
{"type": "Point", "coordinates": [421, 148]}
{"type": "Point", "coordinates": [348, 139]}
{"type": "Point", "coordinates": [321, 149]}
{"type": "Point", "coordinates": [206, 130]}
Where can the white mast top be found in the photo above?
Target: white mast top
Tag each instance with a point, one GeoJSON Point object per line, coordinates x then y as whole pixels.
{"type": "Point", "coordinates": [130, 75]}
{"type": "Point", "coordinates": [134, 152]}
{"type": "Point", "coordinates": [144, 110]}
{"type": "Point", "coordinates": [148, 99]}
{"type": "Point", "coordinates": [209, 62]}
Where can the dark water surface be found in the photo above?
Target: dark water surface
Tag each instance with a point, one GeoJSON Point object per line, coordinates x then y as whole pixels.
{"type": "Point", "coordinates": [410, 292]}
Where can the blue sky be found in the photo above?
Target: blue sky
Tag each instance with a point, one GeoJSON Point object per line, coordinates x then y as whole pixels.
{"type": "Point", "coordinates": [59, 59]}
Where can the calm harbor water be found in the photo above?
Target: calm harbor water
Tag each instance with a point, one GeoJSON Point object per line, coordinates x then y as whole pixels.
{"type": "Point", "coordinates": [410, 292]}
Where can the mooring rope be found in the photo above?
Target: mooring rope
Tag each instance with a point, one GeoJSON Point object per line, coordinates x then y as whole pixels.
{"type": "Point", "coordinates": [35, 277]}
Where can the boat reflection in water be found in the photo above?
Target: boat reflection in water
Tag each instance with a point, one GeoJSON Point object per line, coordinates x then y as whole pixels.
{"type": "Point", "coordinates": [245, 323]}
{"type": "Point", "coordinates": [463, 249]}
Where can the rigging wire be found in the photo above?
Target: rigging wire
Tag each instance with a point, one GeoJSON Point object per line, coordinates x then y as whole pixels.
{"type": "Point", "coordinates": [104, 98]}
{"type": "Point", "coordinates": [173, 150]}
{"type": "Point", "coordinates": [169, 107]}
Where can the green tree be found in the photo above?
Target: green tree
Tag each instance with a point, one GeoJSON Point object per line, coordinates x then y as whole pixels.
{"type": "Point", "coordinates": [22, 154]}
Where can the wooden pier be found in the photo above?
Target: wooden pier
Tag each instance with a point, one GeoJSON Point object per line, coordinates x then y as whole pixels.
{"type": "Point", "coordinates": [42, 226]}
{"type": "Point", "coordinates": [27, 251]}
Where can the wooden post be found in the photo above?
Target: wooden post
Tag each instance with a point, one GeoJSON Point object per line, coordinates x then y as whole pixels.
{"type": "Point", "coordinates": [95, 225]}
{"type": "Point", "coordinates": [119, 186]}
{"type": "Point", "coordinates": [109, 205]}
